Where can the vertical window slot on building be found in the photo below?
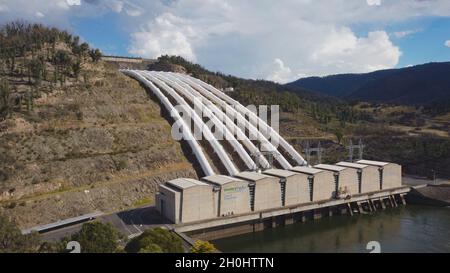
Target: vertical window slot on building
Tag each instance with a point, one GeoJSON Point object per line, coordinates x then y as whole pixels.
{"type": "Point", "coordinates": [380, 171]}
{"type": "Point", "coordinates": [252, 196]}
{"type": "Point", "coordinates": [283, 191]}
{"type": "Point", "coordinates": [359, 180]}
{"type": "Point", "coordinates": [336, 185]}
{"type": "Point", "coordinates": [311, 187]}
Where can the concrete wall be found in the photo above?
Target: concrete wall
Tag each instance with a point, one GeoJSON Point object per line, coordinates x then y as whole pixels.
{"type": "Point", "coordinates": [234, 198]}
{"type": "Point", "coordinates": [324, 186]}
{"type": "Point", "coordinates": [121, 59]}
{"type": "Point", "coordinates": [170, 200]}
{"type": "Point", "coordinates": [348, 179]}
{"type": "Point", "coordinates": [267, 193]}
{"type": "Point", "coordinates": [370, 179]}
{"type": "Point", "coordinates": [297, 189]}
{"type": "Point", "coordinates": [198, 203]}
{"type": "Point", "coordinates": [392, 176]}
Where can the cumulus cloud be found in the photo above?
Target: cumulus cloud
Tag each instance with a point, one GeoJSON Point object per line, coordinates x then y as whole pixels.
{"type": "Point", "coordinates": [344, 52]}
{"type": "Point", "coordinates": [166, 34]}
{"type": "Point", "coordinates": [447, 43]}
{"type": "Point", "coordinates": [277, 40]}
{"type": "Point", "coordinates": [280, 73]}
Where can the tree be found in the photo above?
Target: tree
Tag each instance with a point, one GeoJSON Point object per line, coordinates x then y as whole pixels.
{"type": "Point", "coordinates": [76, 68]}
{"type": "Point", "coordinates": [95, 55]}
{"type": "Point", "coordinates": [62, 60]}
{"type": "Point", "coordinates": [97, 237]}
{"type": "Point", "coordinates": [151, 248]}
{"type": "Point", "coordinates": [166, 240]}
{"type": "Point", "coordinates": [12, 240]}
{"type": "Point", "coordinates": [203, 247]}
{"type": "Point", "coordinates": [84, 49]}
{"type": "Point", "coordinates": [338, 133]}
{"type": "Point", "coordinates": [4, 97]}
{"type": "Point", "coordinates": [36, 68]}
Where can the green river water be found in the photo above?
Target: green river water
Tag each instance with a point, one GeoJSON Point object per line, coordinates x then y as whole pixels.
{"type": "Point", "coordinates": [411, 228]}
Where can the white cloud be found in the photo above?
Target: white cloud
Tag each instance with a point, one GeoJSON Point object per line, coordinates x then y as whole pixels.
{"type": "Point", "coordinates": [373, 2]}
{"type": "Point", "coordinates": [447, 43]}
{"type": "Point", "coordinates": [166, 34]}
{"type": "Point", "coordinates": [73, 2]}
{"type": "Point", "coordinates": [39, 14]}
{"type": "Point", "coordinates": [308, 37]}
{"type": "Point", "coordinates": [115, 5]}
{"type": "Point", "coordinates": [280, 73]}
{"type": "Point", "coordinates": [342, 51]}
{"type": "Point", "coordinates": [405, 33]}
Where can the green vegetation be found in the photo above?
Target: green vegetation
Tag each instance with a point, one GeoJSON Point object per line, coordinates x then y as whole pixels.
{"type": "Point", "coordinates": [12, 240]}
{"type": "Point", "coordinates": [155, 240]}
{"type": "Point", "coordinates": [4, 97]}
{"type": "Point", "coordinates": [97, 237]}
{"type": "Point", "coordinates": [203, 247]}
{"type": "Point", "coordinates": [44, 56]}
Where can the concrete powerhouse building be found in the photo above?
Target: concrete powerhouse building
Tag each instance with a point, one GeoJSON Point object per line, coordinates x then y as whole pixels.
{"type": "Point", "coordinates": [186, 200]}
{"type": "Point", "coordinates": [233, 194]}
{"type": "Point", "coordinates": [368, 176]}
{"type": "Point", "coordinates": [346, 179]}
{"type": "Point", "coordinates": [294, 186]}
{"type": "Point", "coordinates": [390, 174]}
{"type": "Point", "coordinates": [321, 183]}
{"type": "Point", "coordinates": [265, 190]}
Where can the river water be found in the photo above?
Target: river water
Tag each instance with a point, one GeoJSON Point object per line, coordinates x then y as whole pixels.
{"type": "Point", "coordinates": [411, 228]}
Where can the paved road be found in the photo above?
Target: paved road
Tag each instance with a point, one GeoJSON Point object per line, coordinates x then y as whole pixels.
{"type": "Point", "coordinates": [131, 223]}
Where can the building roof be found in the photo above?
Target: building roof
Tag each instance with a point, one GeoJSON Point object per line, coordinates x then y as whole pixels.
{"type": "Point", "coordinates": [219, 179]}
{"type": "Point", "coordinates": [184, 183]}
{"type": "Point", "coordinates": [330, 167]}
{"type": "Point", "coordinates": [279, 172]}
{"type": "Point", "coordinates": [371, 162]}
{"type": "Point", "coordinates": [252, 176]}
{"type": "Point", "coordinates": [351, 165]}
{"type": "Point", "coordinates": [308, 170]}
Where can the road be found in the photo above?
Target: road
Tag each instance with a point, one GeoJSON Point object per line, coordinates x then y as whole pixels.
{"type": "Point", "coordinates": [131, 223]}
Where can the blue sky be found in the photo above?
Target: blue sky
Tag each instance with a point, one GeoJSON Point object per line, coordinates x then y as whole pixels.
{"type": "Point", "coordinates": [276, 40]}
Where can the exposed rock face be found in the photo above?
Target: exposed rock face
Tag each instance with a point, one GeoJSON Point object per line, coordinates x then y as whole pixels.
{"type": "Point", "coordinates": [103, 148]}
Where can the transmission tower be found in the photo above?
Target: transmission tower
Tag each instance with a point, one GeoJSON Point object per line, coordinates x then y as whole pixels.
{"type": "Point", "coordinates": [351, 147]}
{"type": "Point", "coordinates": [309, 151]}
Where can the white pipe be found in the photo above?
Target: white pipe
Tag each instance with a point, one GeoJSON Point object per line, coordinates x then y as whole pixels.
{"type": "Point", "coordinates": [198, 122]}
{"type": "Point", "coordinates": [186, 131]}
{"type": "Point", "coordinates": [197, 101]}
{"type": "Point", "coordinates": [241, 119]}
{"type": "Point", "coordinates": [255, 120]}
{"type": "Point", "coordinates": [228, 122]}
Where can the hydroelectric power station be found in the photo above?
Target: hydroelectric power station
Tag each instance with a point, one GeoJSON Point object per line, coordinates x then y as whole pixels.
{"type": "Point", "coordinates": [240, 189]}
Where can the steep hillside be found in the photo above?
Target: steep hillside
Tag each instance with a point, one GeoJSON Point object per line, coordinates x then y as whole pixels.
{"type": "Point", "coordinates": [78, 145]}
{"type": "Point", "coordinates": [420, 85]}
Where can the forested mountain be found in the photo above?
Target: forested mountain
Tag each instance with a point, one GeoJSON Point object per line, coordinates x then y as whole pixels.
{"type": "Point", "coordinates": [416, 85]}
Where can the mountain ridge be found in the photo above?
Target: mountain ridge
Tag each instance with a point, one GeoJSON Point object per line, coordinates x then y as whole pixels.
{"type": "Point", "coordinates": [400, 85]}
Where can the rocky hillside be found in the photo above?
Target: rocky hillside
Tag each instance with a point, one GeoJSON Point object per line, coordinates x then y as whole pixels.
{"type": "Point", "coordinates": [94, 143]}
